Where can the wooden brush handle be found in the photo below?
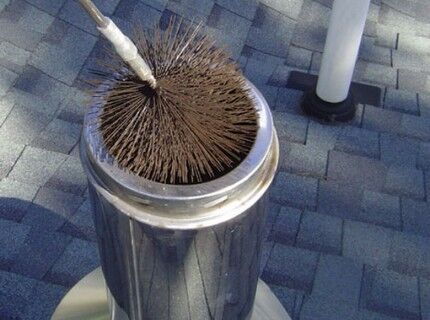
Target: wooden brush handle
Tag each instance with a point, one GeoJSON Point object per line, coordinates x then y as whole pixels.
{"type": "Point", "coordinates": [94, 13]}
{"type": "Point", "coordinates": [123, 45]}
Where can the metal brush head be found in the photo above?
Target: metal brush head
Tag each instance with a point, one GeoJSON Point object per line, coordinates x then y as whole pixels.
{"type": "Point", "coordinates": [197, 125]}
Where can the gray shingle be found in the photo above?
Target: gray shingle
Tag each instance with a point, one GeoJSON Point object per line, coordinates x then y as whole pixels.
{"type": "Point", "coordinates": [228, 29]}
{"type": "Point", "coordinates": [291, 8]}
{"type": "Point", "coordinates": [289, 100]}
{"type": "Point", "coordinates": [415, 127]}
{"type": "Point", "coordinates": [381, 209]}
{"type": "Point", "coordinates": [355, 169]}
{"type": "Point", "coordinates": [35, 103]}
{"type": "Point", "coordinates": [266, 250]}
{"type": "Point", "coordinates": [7, 78]}
{"type": "Point", "coordinates": [49, 296]}
{"type": "Point", "coordinates": [272, 214]}
{"type": "Point", "coordinates": [315, 12]}
{"type": "Point", "coordinates": [358, 141]}
{"type": "Point", "coordinates": [73, 109]}
{"type": "Point", "coordinates": [6, 104]}
{"type": "Point", "coordinates": [366, 243]}
{"type": "Point", "coordinates": [291, 267]}
{"type": "Point", "coordinates": [191, 9]}
{"type": "Point", "coordinates": [63, 51]}
{"type": "Point", "coordinates": [411, 60]}
{"type": "Point", "coordinates": [36, 166]}
{"type": "Point", "coordinates": [23, 125]}
{"type": "Point", "coordinates": [299, 57]}
{"type": "Point", "coordinates": [59, 136]}
{"type": "Point", "coordinates": [71, 12]}
{"type": "Point", "coordinates": [81, 224]}
{"type": "Point", "coordinates": [391, 293]}
{"type": "Point", "coordinates": [381, 120]}
{"type": "Point", "coordinates": [269, 93]}
{"type": "Point", "coordinates": [135, 11]}
{"type": "Point", "coordinates": [398, 151]}
{"type": "Point", "coordinates": [15, 198]}
{"type": "Point", "coordinates": [289, 298]}
{"type": "Point", "coordinates": [424, 156]}
{"type": "Point", "coordinates": [310, 36]}
{"type": "Point", "coordinates": [280, 76]}
{"type": "Point", "coordinates": [9, 153]}
{"type": "Point", "coordinates": [294, 190]}
{"type": "Point", "coordinates": [291, 127]}
{"type": "Point", "coordinates": [405, 181]}
{"type": "Point", "coordinates": [380, 74]}
{"type": "Point", "coordinates": [261, 56]}
{"type": "Point", "coordinates": [316, 62]}
{"type": "Point", "coordinates": [258, 71]}
{"type": "Point", "coordinates": [79, 258]}
{"type": "Point", "coordinates": [242, 61]}
{"type": "Point", "coordinates": [425, 298]}
{"type": "Point", "coordinates": [422, 7]}
{"type": "Point", "coordinates": [51, 209]}
{"type": "Point", "coordinates": [396, 19]}
{"type": "Point", "coordinates": [271, 32]}
{"type": "Point", "coordinates": [286, 226]}
{"type": "Point", "coordinates": [358, 118]}
{"type": "Point", "coordinates": [36, 84]}
{"type": "Point", "coordinates": [373, 13]}
{"type": "Point", "coordinates": [427, 180]}
{"type": "Point", "coordinates": [372, 53]}
{"type": "Point", "coordinates": [26, 16]}
{"type": "Point", "coordinates": [339, 199]}
{"type": "Point", "coordinates": [321, 308]}
{"type": "Point", "coordinates": [407, 7]}
{"type": "Point", "coordinates": [404, 101]}
{"type": "Point", "coordinates": [39, 252]}
{"type": "Point", "coordinates": [338, 279]}
{"type": "Point", "coordinates": [48, 5]}
{"type": "Point", "coordinates": [16, 288]}
{"type": "Point", "coordinates": [410, 255]}
{"type": "Point", "coordinates": [415, 81]}
{"type": "Point", "coordinates": [69, 177]}
{"type": "Point", "coordinates": [245, 8]}
{"type": "Point", "coordinates": [322, 136]}
{"type": "Point", "coordinates": [20, 36]}
{"type": "Point", "coordinates": [12, 236]}
{"type": "Point", "coordinates": [385, 36]}
{"type": "Point", "coordinates": [157, 4]}
{"type": "Point", "coordinates": [13, 57]}
{"type": "Point", "coordinates": [319, 232]}
{"type": "Point", "coordinates": [202, 6]}
{"type": "Point", "coordinates": [424, 102]}
{"type": "Point", "coordinates": [305, 160]}
{"type": "Point", "coordinates": [416, 217]}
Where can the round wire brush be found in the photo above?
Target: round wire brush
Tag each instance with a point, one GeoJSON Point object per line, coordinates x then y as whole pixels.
{"type": "Point", "coordinates": [194, 123]}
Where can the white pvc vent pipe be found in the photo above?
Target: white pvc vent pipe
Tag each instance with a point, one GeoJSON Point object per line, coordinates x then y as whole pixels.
{"type": "Point", "coordinates": [344, 35]}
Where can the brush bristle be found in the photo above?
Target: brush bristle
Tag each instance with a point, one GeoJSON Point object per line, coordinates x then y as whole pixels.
{"type": "Point", "coordinates": [198, 124]}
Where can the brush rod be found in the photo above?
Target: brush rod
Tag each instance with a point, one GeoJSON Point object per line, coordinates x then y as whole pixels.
{"type": "Point", "coordinates": [94, 12]}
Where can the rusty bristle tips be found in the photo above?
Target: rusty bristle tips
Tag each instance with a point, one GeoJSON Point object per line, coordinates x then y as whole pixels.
{"type": "Point", "coordinates": [196, 125]}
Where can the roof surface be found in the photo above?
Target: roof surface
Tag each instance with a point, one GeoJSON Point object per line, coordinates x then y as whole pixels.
{"type": "Point", "coordinates": [349, 224]}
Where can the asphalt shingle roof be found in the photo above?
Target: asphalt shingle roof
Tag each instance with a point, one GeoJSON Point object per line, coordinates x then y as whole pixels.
{"type": "Point", "coordinates": [349, 223]}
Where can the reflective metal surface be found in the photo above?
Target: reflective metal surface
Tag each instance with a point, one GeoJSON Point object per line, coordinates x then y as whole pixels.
{"type": "Point", "coordinates": [176, 200]}
{"type": "Point", "coordinates": [87, 301]}
{"type": "Point", "coordinates": [181, 251]}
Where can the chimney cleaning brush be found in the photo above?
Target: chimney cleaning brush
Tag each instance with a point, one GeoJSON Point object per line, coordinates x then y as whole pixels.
{"type": "Point", "coordinates": [198, 123]}
{"type": "Point", "coordinates": [125, 48]}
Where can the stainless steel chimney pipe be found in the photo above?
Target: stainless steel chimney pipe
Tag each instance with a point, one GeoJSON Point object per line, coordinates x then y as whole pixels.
{"type": "Point", "coordinates": [181, 251]}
